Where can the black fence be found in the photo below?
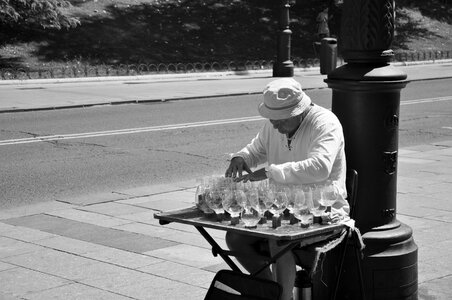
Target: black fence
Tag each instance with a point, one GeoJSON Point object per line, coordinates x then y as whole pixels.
{"type": "Point", "coordinates": [78, 70]}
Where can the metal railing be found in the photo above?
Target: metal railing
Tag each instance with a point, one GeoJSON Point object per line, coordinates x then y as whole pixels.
{"type": "Point", "coordinates": [78, 70]}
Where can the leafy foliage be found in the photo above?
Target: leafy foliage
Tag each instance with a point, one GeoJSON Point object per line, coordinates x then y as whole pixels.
{"type": "Point", "coordinates": [26, 14]}
{"type": "Point", "coordinates": [188, 31]}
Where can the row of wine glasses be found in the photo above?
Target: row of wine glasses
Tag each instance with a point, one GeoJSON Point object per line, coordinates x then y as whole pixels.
{"type": "Point", "coordinates": [249, 201]}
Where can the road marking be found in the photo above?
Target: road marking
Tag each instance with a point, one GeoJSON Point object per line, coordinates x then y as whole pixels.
{"type": "Point", "coordinates": [426, 100]}
{"type": "Point", "coordinates": [446, 127]}
{"type": "Point", "coordinates": [50, 138]}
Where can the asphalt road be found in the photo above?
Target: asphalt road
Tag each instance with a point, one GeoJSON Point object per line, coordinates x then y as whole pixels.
{"type": "Point", "coordinates": [111, 148]}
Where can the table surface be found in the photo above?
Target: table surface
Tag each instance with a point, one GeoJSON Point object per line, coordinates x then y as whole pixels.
{"type": "Point", "coordinates": [286, 232]}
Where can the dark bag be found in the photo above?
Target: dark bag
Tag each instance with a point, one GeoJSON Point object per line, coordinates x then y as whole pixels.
{"type": "Point", "coordinates": [232, 285]}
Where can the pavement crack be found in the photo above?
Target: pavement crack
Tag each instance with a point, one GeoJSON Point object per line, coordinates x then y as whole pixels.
{"type": "Point", "coordinates": [29, 133]}
{"type": "Point", "coordinates": [179, 152]}
{"type": "Point", "coordinates": [90, 144]}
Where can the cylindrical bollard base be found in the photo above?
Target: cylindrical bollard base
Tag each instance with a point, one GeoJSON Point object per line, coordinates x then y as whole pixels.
{"type": "Point", "coordinates": [328, 55]}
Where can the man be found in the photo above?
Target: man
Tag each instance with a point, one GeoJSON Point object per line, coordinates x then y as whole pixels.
{"type": "Point", "coordinates": [302, 143]}
{"type": "Point", "coordinates": [322, 19]}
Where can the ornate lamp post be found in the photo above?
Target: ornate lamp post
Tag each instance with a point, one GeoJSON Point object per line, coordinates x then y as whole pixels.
{"type": "Point", "coordinates": [283, 67]}
{"type": "Point", "coordinates": [366, 99]}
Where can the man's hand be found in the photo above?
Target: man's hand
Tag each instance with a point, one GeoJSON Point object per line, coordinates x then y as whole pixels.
{"type": "Point", "coordinates": [254, 176]}
{"type": "Point", "coordinates": [236, 168]}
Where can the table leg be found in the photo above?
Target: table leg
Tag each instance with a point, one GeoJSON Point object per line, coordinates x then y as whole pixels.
{"type": "Point", "coordinates": [217, 249]}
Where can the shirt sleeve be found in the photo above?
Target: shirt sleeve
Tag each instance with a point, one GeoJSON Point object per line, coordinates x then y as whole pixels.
{"type": "Point", "coordinates": [323, 150]}
{"type": "Point", "coordinates": [255, 152]}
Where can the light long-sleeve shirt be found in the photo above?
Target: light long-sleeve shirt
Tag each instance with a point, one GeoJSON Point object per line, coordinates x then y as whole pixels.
{"type": "Point", "coordinates": [315, 153]}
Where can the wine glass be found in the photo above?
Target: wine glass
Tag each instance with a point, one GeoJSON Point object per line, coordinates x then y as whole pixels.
{"type": "Point", "coordinates": [302, 208]}
{"type": "Point", "coordinates": [316, 193]}
{"type": "Point", "coordinates": [234, 201]}
{"type": "Point", "coordinates": [266, 197]}
{"type": "Point", "coordinates": [329, 195]}
{"type": "Point", "coordinates": [291, 192]}
{"type": "Point", "coordinates": [214, 199]}
{"type": "Point", "coordinates": [252, 211]}
{"type": "Point", "coordinates": [279, 204]}
{"type": "Point", "coordinates": [202, 190]}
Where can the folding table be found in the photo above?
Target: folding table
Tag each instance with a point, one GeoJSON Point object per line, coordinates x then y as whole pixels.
{"type": "Point", "coordinates": [287, 236]}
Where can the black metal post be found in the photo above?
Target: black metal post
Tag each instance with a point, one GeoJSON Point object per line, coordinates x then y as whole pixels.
{"type": "Point", "coordinates": [366, 99]}
{"type": "Point", "coordinates": [283, 67]}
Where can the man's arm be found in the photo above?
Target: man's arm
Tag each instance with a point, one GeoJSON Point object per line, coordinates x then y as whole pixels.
{"type": "Point", "coordinates": [317, 167]}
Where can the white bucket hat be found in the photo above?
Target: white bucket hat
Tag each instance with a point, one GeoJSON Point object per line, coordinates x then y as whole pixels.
{"type": "Point", "coordinates": [283, 99]}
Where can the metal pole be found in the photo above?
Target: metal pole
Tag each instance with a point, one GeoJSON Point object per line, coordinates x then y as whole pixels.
{"type": "Point", "coordinates": [283, 67]}
{"type": "Point", "coordinates": [366, 99]}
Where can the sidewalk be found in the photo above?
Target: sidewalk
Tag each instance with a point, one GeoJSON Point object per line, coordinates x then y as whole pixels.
{"type": "Point", "coordinates": [26, 95]}
{"type": "Point", "coordinates": [109, 246]}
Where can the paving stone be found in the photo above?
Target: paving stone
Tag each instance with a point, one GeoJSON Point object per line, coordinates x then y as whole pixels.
{"type": "Point", "coordinates": [26, 234]}
{"type": "Point", "coordinates": [67, 266]}
{"type": "Point", "coordinates": [89, 217]}
{"type": "Point", "coordinates": [20, 281]}
{"type": "Point", "coordinates": [5, 266]}
{"type": "Point", "coordinates": [5, 228]}
{"type": "Point", "coordinates": [181, 227]}
{"type": "Point", "coordinates": [75, 291]}
{"type": "Point", "coordinates": [169, 290]}
{"type": "Point", "coordinates": [158, 231]}
{"type": "Point", "coordinates": [93, 198]}
{"type": "Point", "coordinates": [165, 205]}
{"type": "Point", "coordinates": [436, 251]}
{"type": "Point", "coordinates": [435, 153]}
{"type": "Point", "coordinates": [142, 217]}
{"type": "Point", "coordinates": [39, 221]}
{"type": "Point", "coordinates": [417, 211]}
{"type": "Point", "coordinates": [413, 160]}
{"type": "Point", "coordinates": [183, 196]}
{"type": "Point", "coordinates": [96, 270]}
{"type": "Point", "coordinates": [134, 200]}
{"type": "Point", "coordinates": [117, 276]}
{"type": "Point", "coordinates": [140, 285]}
{"type": "Point", "coordinates": [32, 209]}
{"type": "Point", "coordinates": [217, 234]}
{"type": "Point", "coordinates": [11, 247]}
{"type": "Point", "coordinates": [113, 209]}
{"type": "Point", "coordinates": [137, 243]}
{"type": "Point", "coordinates": [444, 143]}
{"type": "Point", "coordinates": [407, 152]}
{"type": "Point", "coordinates": [181, 273]}
{"type": "Point", "coordinates": [194, 239]}
{"type": "Point", "coordinates": [165, 201]}
{"type": "Point", "coordinates": [70, 245]}
{"type": "Point", "coordinates": [221, 266]}
{"type": "Point", "coordinates": [420, 148]}
{"type": "Point", "coordinates": [431, 270]}
{"type": "Point", "coordinates": [157, 189]}
{"type": "Point", "coordinates": [119, 239]}
{"type": "Point", "coordinates": [419, 223]}
{"type": "Point", "coordinates": [49, 261]}
{"type": "Point", "coordinates": [122, 258]}
{"type": "Point", "coordinates": [8, 296]}
{"type": "Point", "coordinates": [438, 289]}
{"type": "Point", "coordinates": [187, 255]}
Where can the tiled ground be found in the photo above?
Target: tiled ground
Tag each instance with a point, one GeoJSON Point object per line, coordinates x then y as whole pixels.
{"type": "Point", "coordinates": [115, 249]}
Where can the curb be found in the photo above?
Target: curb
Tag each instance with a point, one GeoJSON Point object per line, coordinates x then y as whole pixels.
{"type": "Point", "coordinates": [157, 77]}
{"type": "Point", "coordinates": [13, 110]}
{"type": "Point", "coordinates": [191, 76]}
{"type": "Point", "coordinates": [18, 110]}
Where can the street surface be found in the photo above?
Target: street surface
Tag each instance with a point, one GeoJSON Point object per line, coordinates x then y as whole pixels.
{"type": "Point", "coordinates": [100, 149]}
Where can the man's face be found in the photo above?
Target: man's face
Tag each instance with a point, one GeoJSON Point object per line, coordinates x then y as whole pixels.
{"type": "Point", "coordinates": [286, 126]}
